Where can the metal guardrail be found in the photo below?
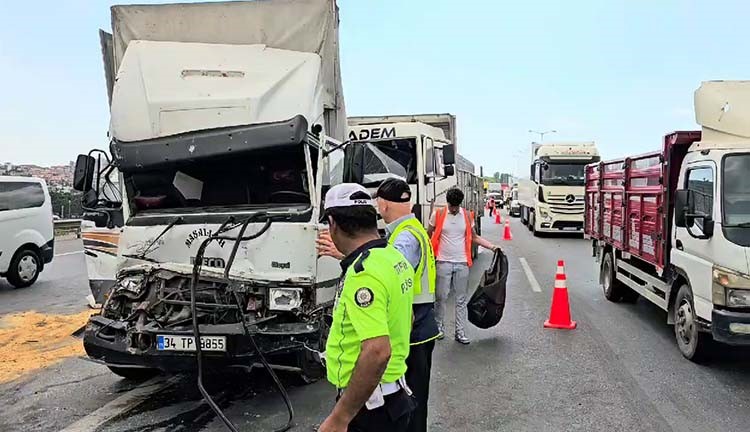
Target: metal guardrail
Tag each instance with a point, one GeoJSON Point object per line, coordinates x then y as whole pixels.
{"type": "Point", "coordinates": [68, 226]}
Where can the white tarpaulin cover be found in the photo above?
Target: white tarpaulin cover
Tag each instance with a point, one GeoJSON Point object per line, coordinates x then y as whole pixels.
{"type": "Point", "coordinates": [297, 25]}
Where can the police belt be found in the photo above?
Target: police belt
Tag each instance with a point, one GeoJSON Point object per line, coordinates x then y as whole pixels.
{"type": "Point", "coordinates": [388, 388]}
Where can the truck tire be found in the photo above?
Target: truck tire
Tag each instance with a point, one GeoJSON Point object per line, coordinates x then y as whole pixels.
{"type": "Point", "coordinates": [24, 268]}
{"type": "Point", "coordinates": [614, 290]}
{"type": "Point", "coordinates": [532, 221]}
{"type": "Point", "coordinates": [693, 344]}
{"type": "Point", "coordinates": [133, 374]}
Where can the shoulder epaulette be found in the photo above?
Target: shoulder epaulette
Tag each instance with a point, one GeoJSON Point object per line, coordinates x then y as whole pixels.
{"type": "Point", "coordinates": [359, 265]}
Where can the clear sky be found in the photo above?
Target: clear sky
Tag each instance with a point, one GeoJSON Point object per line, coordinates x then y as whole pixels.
{"type": "Point", "coordinates": [621, 72]}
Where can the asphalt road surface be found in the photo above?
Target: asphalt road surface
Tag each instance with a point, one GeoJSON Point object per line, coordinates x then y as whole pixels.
{"type": "Point", "coordinates": [618, 371]}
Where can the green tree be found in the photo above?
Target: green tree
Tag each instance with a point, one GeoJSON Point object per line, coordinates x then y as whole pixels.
{"type": "Point", "coordinates": [496, 177]}
{"type": "Point", "coordinates": [67, 205]}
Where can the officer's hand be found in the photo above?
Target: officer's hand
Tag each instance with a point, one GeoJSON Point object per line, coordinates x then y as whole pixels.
{"type": "Point", "coordinates": [332, 424]}
{"type": "Point", "coordinates": [326, 247]}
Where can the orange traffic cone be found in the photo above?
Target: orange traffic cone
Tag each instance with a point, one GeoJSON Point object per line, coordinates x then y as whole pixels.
{"type": "Point", "coordinates": [507, 235]}
{"type": "Point", "coordinates": [498, 219]}
{"type": "Point", "coordinates": [559, 317]}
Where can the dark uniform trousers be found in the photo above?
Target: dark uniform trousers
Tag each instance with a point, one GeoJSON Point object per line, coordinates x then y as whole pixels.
{"type": "Point", "coordinates": [418, 366]}
{"type": "Point", "coordinates": [393, 416]}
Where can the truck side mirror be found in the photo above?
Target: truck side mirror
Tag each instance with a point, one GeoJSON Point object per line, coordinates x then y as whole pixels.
{"type": "Point", "coordinates": [449, 154]}
{"type": "Point", "coordinates": [707, 226]}
{"type": "Point", "coordinates": [683, 205]}
{"type": "Point", "coordinates": [449, 170]}
{"type": "Point", "coordinates": [89, 198]}
{"type": "Point", "coordinates": [83, 175]}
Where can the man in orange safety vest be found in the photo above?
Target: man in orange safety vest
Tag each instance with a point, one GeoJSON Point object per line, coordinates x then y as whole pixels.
{"type": "Point", "coordinates": [453, 235]}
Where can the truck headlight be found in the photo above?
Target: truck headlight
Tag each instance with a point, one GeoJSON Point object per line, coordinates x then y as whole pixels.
{"type": "Point", "coordinates": [284, 299]}
{"type": "Point", "coordinates": [544, 214]}
{"type": "Point", "coordinates": [730, 288]}
{"type": "Point", "coordinates": [738, 298]}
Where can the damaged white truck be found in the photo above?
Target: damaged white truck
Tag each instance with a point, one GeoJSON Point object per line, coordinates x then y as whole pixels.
{"type": "Point", "coordinates": [221, 114]}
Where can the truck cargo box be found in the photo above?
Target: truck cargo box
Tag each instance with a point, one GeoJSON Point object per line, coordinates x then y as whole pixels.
{"type": "Point", "coordinates": [629, 201]}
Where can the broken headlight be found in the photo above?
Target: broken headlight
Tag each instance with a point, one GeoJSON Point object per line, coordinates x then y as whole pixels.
{"type": "Point", "coordinates": [284, 299]}
{"type": "Point", "coordinates": [132, 283]}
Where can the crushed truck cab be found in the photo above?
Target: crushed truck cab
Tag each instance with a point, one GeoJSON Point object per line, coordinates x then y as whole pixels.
{"type": "Point", "coordinates": [219, 134]}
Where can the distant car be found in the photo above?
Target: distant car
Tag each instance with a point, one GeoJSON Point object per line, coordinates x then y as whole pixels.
{"type": "Point", "coordinates": [514, 207]}
{"type": "Point", "coordinates": [498, 197]}
{"type": "Point", "coordinates": [27, 239]}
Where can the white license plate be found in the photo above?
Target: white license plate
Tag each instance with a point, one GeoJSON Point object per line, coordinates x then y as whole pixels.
{"type": "Point", "coordinates": [571, 229]}
{"type": "Point", "coordinates": [187, 343]}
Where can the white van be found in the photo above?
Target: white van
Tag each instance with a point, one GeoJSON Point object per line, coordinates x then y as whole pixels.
{"type": "Point", "coordinates": [27, 239]}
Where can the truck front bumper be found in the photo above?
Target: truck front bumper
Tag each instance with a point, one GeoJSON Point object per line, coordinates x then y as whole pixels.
{"type": "Point", "coordinates": [109, 342]}
{"type": "Point", "coordinates": [560, 223]}
{"type": "Point", "coordinates": [730, 327]}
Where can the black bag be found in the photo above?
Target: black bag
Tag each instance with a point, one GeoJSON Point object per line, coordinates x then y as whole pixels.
{"type": "Point", "coordinates": [487, 304]}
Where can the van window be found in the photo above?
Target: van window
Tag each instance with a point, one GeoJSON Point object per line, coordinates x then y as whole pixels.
{"type": "Point", "coordinates": [20, 195]}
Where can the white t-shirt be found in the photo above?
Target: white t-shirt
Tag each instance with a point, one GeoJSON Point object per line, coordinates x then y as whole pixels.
{"type": "Point", "coordinates": [453, 237]}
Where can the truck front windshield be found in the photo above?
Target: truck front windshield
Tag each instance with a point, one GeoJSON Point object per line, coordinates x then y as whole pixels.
{"type": "Point", "coordinates": [388, 158]}
{"type": "Point", "coordinates": [563, 174]}
{"type": "Point", "coordinates": [736, 191]}
{"type": "Point", "coordinates": [263, 178]}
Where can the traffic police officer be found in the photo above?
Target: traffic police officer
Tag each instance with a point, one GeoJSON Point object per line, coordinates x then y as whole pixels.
{"type": "Point", "coordinates": [408, 235]}
{"type": "Point", "coordinates": [369, 338]}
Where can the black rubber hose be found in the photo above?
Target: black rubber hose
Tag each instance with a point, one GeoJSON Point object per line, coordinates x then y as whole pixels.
{"type": "Point", "coordinates": [276, 380]}
{"type": "Point", "coordinates": [197, 334]}
{"type": "Point", "coordinates": [196, 331]}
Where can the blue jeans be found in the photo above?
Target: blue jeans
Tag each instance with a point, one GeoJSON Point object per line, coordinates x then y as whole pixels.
{"type": "Point", "coordinates": [454, 277]}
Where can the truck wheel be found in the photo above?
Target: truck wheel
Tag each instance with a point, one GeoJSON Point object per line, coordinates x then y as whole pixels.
{"type": "Point", "coordinates": [614, 290]}
{"type": "Point", "coordinates": [133, 374]}
{"type": "Point", "coordinates": [24, 268]}
{"type": "Point", "coordinates": [694, 344]}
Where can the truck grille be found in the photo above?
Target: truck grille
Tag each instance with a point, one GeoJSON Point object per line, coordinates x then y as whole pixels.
{"type": "Point", "coordinates": [563, 204]}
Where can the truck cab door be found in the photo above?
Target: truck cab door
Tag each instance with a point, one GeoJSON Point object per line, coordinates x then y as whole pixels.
{"type": "Point", "coordinates": [693, 251]}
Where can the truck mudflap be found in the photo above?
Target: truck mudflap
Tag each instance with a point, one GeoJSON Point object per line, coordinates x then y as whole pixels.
{"type": "Point", "coordinates": [732, 328]}
{"type": "Point", "coordinates": [107, 341]}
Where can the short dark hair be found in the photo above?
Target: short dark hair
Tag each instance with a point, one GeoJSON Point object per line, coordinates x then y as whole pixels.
{"type": "Point", "coordinates": [355, 220]}
{"type": "Point", "coordinates": [454, 196]}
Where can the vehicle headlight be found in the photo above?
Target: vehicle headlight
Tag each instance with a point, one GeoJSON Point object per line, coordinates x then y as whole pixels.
{"type": "Point", "coordinates": [132, 283]}
{"type": "Point", "coordinates": [730, 288]}
{"type": "Point", "coordinates": [544, 214]}
{"type": "Point", "coordinates": [284, 299]}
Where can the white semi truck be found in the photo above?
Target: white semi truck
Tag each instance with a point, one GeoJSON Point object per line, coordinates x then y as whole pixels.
{"type": "Point", "coordinates": [221, 114]}
{"type": "Point", "coordinates": [551, 199]}
{"type": "Point", "coordinates": [673, 225]}
{"type": "Point", "coordinates": [419, 148]}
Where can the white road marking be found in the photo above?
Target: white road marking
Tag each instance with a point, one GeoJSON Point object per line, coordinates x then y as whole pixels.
{"type": "Point", "coordinates": [530, 275]}
{"type": "Point", "coordinates": [121, 405]}
{"type": "Point", "coordinates": [69, 253]}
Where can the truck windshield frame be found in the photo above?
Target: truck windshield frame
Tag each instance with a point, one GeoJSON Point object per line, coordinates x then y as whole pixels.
{"type": "Point", "coordinates": [383, 158]}
{"type": "Point", "coordinates": [562, 172]}
{"type": "Point", "coordinates": [735, 213]}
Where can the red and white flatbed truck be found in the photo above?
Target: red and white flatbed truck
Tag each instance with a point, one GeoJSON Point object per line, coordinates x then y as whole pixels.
{"type": "Point", "coordinates": [673, 226]}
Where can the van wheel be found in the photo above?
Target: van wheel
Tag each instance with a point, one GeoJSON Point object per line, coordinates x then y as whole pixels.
{"type": "Point", "coordinates": [614, 290]}
{"type": "Point", "coordinates": [133, 374]}
{"type": "Point", "coordinates": [24, 268]}
{"type": "Point", "coordinates": [694, 344]}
